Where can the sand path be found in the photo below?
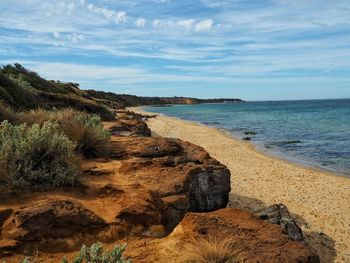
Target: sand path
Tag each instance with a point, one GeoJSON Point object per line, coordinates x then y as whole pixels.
{"type": "Point", "coordinates": [320, 201]}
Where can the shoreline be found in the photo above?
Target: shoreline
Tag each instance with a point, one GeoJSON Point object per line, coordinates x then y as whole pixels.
{"type": "Point", "coordinates": [279, 155]}
{"type": "Point", "coordinates": [318, 199]}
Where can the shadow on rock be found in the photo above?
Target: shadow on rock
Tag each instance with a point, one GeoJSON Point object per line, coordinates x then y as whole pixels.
{"type": "Point", "coordinates": [320, 243]}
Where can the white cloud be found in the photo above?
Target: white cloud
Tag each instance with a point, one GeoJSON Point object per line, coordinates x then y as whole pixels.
{"type": "Point", "coordinates": [118, 17]}
{"type": "Point", "coordinates": [56, 34]}
{"type": "Point", "coordinates": [140, 22]}
{"type": "Point", "coordinates": [203, 25]}
{"type": "Point", "coordinates": [188, 24]}
{"type": "Point", "coordinates": [76, 37]}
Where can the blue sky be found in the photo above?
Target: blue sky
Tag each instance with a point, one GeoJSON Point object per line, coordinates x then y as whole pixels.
{"type": "Point", "coordinates": [251, 49]}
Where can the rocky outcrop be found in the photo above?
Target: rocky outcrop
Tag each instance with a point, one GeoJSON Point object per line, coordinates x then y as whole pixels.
{"type": "Point", "coordinates": [147, 187]}
{"type": "Point", "coordinates": [279, 214]}
{"type": "Point", "coordinates": [181, 174]}
{"type": "Point", "coordinates": [127, 127]}
{"type": "Point", "coordinates": [50, 219]}
{"type": "Point", "coordinates": [258, 240]}
{"type": "Point", "coordinates": [253, 239]}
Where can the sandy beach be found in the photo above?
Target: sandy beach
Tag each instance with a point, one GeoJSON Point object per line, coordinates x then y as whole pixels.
{"type": "Point", "coordinates": [319, 201]}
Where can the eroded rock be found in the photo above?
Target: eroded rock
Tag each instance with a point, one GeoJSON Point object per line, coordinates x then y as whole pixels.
{"type": "Point", "coordinates": [258, 240]}
{"type": "Point", "coordinates": [50, 219]}
{"type": "Point", "coordinates": [209, 188]}
{"type": "Point", "coordinates": [130, 128]}
{"type": "Point", "coordinates": [279, 214]}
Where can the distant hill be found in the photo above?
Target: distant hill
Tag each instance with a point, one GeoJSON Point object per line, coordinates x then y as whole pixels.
{"type": "Point", "coordinates": [123, 100]}
{"type": "Point", "coordinates": [24, 89]}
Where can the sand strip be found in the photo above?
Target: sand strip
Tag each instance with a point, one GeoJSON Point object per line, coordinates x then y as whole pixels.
{"type": "Point", "coordinates": [320, 201]}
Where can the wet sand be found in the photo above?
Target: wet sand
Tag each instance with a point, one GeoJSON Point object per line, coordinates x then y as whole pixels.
{"type": "Point", "coordinates": [320, 201]}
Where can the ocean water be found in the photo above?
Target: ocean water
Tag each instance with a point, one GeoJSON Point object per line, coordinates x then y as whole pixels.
{"type": "Point", "coordinates": [311, 132]}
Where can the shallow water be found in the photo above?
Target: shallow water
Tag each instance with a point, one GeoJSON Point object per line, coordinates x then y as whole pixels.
{"type": "Point", "coordinates": [313, 132]}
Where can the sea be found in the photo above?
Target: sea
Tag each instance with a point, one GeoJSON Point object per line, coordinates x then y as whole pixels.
{"type": "Point", "coordinates": [313, 133]}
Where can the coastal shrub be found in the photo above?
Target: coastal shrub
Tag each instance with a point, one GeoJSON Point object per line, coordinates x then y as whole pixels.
{"type": "Point", "coordinates": [85, 130]}
{"type": "Point", "coordinates": [201, 250]}
{"type": "Point", "coordinates": [97, 254]}
{"type": "Point", "coordinates": [41, 157]}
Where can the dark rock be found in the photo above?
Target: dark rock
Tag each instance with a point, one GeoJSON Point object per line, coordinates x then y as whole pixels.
{"type": "Point", "coordinates": [4, 214]}
{"type": "Point", "coordinates": [209, 188]}
{"type": "Point", "coordinates": [250, 133]}
{"type": "Point", "coordinates": [290, 142]}
{"type": "Point", "coordinates": [246, 138]}
{"type": "Point", "coordinates": [279, 214]}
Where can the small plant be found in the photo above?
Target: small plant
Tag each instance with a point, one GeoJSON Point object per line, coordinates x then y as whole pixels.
{"type": "Point", "coordinates": [36, 156]}
{"type": "Point", "coordinates": [201, 250]}
{"type": "Point", "coordinates": [96, 254]}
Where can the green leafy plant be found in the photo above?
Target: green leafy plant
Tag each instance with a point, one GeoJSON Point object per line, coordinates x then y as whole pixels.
{"type": "Point", "coordinates": [36, 156]}
{"type": "Point", "coordinates": [85, 130]}
{"type": "Point", "coordinates": [97, 254]}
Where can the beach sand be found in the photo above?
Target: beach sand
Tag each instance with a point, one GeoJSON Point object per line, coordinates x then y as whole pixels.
{"type": "Point", "coordinates": [319, 201]}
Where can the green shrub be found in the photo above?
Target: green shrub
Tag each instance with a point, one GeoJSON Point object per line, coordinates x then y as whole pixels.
{"type": "Point", "coordinates": [96, 254]}
{"type": "Point", "coordinates": [41, 157]}
{"type": "Point", "coordinates": [85, 130]}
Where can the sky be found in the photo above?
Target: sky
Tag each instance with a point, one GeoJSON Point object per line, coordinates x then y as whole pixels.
{"type": "Point", "coordinates": [250, 49]}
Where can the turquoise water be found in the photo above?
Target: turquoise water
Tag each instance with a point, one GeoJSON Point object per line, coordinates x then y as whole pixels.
{"type": "Point", "coordinates": [314, 132]}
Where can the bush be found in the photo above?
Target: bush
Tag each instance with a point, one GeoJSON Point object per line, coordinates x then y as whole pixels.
{"type": "Point", "coordinates": [96, 254]}
{"type": "Point", "coordinates": [85, 130]}
{"type": "Point", "coordinates": [37, 156]}
{"type": "Point", "coordinates": [201, 250]}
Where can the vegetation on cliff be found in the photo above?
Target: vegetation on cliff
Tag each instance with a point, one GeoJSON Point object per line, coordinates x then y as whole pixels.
{"type": "Point", "coordinates": [38, 147]}
{"type": "Point", "coordinates": [38, 157]}
{"type": "Point", "coordinates": [22, 89]}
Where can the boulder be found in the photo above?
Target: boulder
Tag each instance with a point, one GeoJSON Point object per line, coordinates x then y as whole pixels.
{"type": "Point", "coordinates": [209, 188]}
{"type": "Point", "coordinates": [279, 214]}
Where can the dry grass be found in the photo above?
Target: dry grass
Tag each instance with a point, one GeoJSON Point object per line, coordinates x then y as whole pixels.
{"type": "Point", "coordinates": [201, 250]}
{"type": "Point", "coordinates": [89, 140]}
{"type": "Point", "coordinates": [38, 116]}
{"type": "Point", "coordinates": [6, 113]}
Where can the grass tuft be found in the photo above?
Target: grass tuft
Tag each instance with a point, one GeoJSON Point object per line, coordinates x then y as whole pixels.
{"type": "Point", "coordinates": [201, 250]}
{"type": "Point", "coordinates": [6, 113]}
